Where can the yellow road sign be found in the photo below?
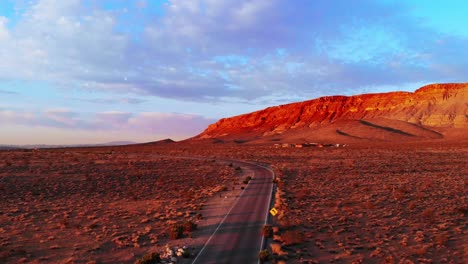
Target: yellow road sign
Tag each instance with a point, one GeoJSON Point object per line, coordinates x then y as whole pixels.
{"type": "Point", "coordinates": [273, 211]}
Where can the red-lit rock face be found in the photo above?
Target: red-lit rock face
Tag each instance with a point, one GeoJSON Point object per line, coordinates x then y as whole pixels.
{"type": "Point", "coordinates": [436, 105]}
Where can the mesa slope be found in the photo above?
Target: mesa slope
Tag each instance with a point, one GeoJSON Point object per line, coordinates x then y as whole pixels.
{"type": "Point", "coordinates": [435, 111]}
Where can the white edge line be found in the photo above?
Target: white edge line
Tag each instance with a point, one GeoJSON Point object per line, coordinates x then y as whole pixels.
{"type": "Point", "coordinates": [235, 203]}
{"type": "Point", "coordinates": [269, 204]}
{"type": "Point", "coordinates": [219, 225]}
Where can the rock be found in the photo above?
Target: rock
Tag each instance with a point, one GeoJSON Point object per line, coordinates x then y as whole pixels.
{"type": "Point", "coordinates": [376, 253]}
{"type": "Point", "coordinates": [419, 236]}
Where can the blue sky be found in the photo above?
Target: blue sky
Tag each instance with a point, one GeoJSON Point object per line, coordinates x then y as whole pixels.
{"type": "Point", "coordinates": [89, 71]}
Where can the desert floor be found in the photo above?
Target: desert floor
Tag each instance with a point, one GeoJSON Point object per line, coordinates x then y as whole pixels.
{"type": "Point", "coordinates": [363, 203]}
{"type": "Point", "coordinates": [103, 206]}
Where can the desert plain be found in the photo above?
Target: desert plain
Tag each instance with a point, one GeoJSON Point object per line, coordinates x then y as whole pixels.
{"type": "Point", "coordinates": [361, 203]}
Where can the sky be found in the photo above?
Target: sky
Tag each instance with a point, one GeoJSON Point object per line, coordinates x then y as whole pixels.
{"type": "Point", "coordinates": [95, 71]}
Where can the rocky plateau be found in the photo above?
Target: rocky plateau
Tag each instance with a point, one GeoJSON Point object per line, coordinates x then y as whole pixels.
{"type": "Point", "coordinates": [434, 111]}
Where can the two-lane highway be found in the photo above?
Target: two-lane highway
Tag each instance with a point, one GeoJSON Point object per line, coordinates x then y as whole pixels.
{"type": "Point", "coordinates": [238, 239]}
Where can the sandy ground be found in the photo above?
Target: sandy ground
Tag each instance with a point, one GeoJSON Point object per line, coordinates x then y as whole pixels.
{"type": "Point", "coordinates": [368, 202]}
{"type": "Point", "coordinates": [365, 203]}
{"type": "Point", "coordinates": [213, 211]}
{"type": "Point", "coordinates": [67, 206]}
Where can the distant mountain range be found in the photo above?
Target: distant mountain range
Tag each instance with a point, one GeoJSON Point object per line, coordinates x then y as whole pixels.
{"type": "Point", "coordinates": [36, 146]}
{"type": "Point", "coordinates": [436, 111]}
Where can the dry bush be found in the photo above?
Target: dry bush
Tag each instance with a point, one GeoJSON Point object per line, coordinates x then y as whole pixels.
{"type": "Point", "coordinates": [276, 249]}
{"type": "Point", "coordinates": [267, 231]}
{"type": "Point", "coordinates": [302, 194]}
{"type": "Point", "coordinates": [247, 179]}
{"type": "Point", "coordinates": [176, 231]}
{"type": "Point", "coordinates": [190, 226]}
{"type": "Point", "coordinates": [462, 209]}
{"type": "Point", "coordinates": [399, 194]}
{"type": "Point", "coordinates": [441, 239]}
{"type": "Point", "coordinates": [428, 214]}
{"type": "Point", "coordinates": [277, 238]}
{"type": "Point", "coordinates": [368, 205]}
{"type": "Point", "coordinates": [264, 255]}
{"type": "Point", "coordinates": [420, 250]}
{"type": "Point", "coordinates": [151, 258]}
{"type": "Point", "coordinates": [292, 237]}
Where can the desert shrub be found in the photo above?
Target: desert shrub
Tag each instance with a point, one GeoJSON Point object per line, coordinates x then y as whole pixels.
{"type": "Point", "coordinates": [428, 214]}
{"type": "Point", "coordinates": [199, 216]}
{"type": "Point", "coordinates": [264, 255]}
{"type": "Point", "coordinates": [462, 209]}
{"type": "Point", "coordinates": [186, 254]}
{"type": "Point", "coordinates": [238, 169]}
{"type": "Point", "coordinates": [398, 195]}
{"type": "Point", "coordinates": [247, 179]}
{"type": "Point", "coordinates": [302, 194]}
{"type": "Point", "coordinates": [441, 239]}
{"type": "Point", "coordinates": [267, 231]}
{"type": "Point", "coordinates": [276, 249]}
{"type": "Point", "coordinates": [189, 226]}
{"type": "Point", "coordinates": [420, 250]}
{"type": "Point", "coordinates": [368, 205]}
{"type": "Point", "coordinates": [292, 237]}
{"type": "Point", "coordinates": [176, 231]}
{"type": "Point", "coordinates": [412, 205]}
{"type": "Point", "coordinates": [151, 258]}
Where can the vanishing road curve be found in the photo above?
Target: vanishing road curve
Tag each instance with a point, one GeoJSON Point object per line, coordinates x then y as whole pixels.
{"type": "Point", "coordinates": [238, 239]}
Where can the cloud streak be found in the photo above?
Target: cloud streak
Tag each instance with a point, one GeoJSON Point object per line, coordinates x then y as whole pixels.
{"type": "Point", "coordinates": [7, 92]}
{"type": "Point", "coordinates": [153, 123]}
{"type": "Point", "coordinates": [205, 50]}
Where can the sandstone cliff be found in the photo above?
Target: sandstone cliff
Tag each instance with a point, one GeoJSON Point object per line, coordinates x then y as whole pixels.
{"type": "Point", "coordinates": [432, 106]}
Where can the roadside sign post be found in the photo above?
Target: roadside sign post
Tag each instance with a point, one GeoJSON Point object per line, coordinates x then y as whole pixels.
{"type": "Point", "coordinates": [273, 211]}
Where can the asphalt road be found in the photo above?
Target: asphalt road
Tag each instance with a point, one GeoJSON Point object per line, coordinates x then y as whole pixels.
{"type": "Point", "coordinates": [238, 237]}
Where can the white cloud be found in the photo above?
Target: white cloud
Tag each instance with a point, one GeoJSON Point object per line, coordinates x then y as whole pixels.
{"type": "Point", "coordinates": [60, 42]}
{"type": "Point", "coordinates": [61, 116]}
{"type": "Point", "coordinates": [73, 45]}
{"type": "Point", "coordinates": [4, 33]}
{"type": "Point", "coordinates": [144, 123]}
{"type": "Point", "coordinates": [9, 116]}
{"type": "Point", "coordinates": [170, 123]}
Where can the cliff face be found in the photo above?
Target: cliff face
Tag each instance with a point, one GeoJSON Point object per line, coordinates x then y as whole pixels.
{"type": "Point", "coordinates": [435, 105]}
